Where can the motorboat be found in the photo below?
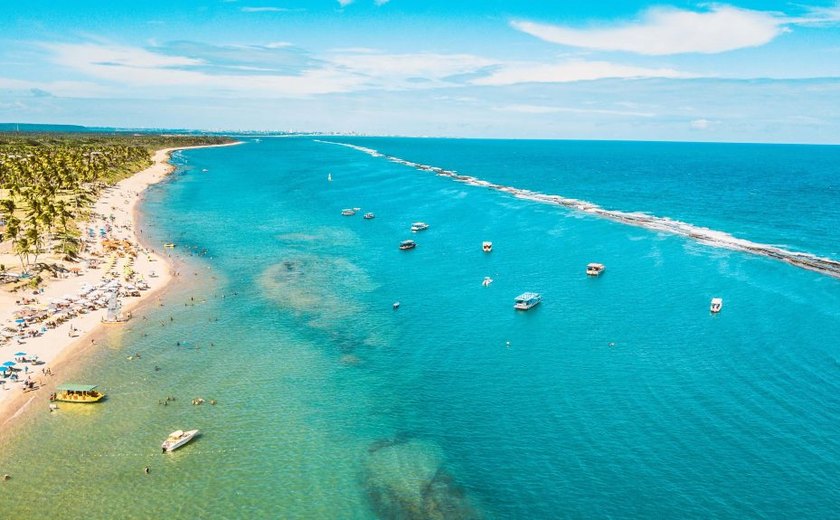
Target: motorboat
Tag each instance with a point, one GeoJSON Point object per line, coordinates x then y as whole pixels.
{"type": "Point", "coordinates": [487, 246]}
{"type": "Point", "coordinates": [487, 281]}
{"type": "Point", "coordinates": [369, 216]}
{"type": "Point", "coordinates": [177, 439]}
{"type": "Point", "coordinates": [594, 269]}
{"type": "Point", "coordinates": [527, 301]}
{"type": "Point", "coordinates": [169, 245]}
{"type": "Point", "coordinates": [329, 177]}
{"type": "Point", "coordinates": [75, 393]}
{"type": "Point", "coordinates": [348, 212]}
{"type": "Point", "coordinates": [716, 305]}
{"type": "Point", "coordinates": [407, 244]}
{"type": "Point", "coordinates": [419, 226]}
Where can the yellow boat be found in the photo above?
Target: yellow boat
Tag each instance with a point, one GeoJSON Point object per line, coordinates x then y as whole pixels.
{"type": "Point", "coordinates": [169, 245]}
{"type": "Point", "coordinates": [73, 393]}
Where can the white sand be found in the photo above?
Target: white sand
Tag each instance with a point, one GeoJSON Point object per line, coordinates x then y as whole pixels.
{"type": "Point", "coordinates": [56, 346]}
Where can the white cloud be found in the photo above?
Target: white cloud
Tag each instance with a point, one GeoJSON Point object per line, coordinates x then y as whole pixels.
{"type": "Point", "coordinates": [542, 109]}
{"type": "Point", "coordinates": [663, 31]}
{"type": "Point", "coordinates": [820, 16]}
{"type": "Point", "coordinates": [264, 10]}
{"type": "Point", "coordinates": [428, 66]}
{"type": "Point", "coordinates": [90, 55]}
{"type": "Point", "coordinates": [700, 124]}
{"type": "Point", "coordinates": [573, 70]}
{"type": "Point", "coordinates": [78, 89]}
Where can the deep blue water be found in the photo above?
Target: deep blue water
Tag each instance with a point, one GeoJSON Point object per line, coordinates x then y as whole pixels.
{"type": "Point", "coordinates": [617, 397]}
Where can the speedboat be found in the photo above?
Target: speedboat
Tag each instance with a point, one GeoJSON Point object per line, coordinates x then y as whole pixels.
{"type": "Point", "coordinates": [329, 177]}
{"type": "Point", "coordinates": [487, 281]}
{"type": "Point", "coordinates": [348, 212]}
{"type": "Point", "coordinates": [594, 269]}
{"type": "Point", "coordinates": [407, 244]}
{"type": "Point", "coordinates": [527, 301]}
{"type": "Point", "coordinates": [716, 305]}
{"type": "Point", "coordinates": [369, 216]}
{"type": "Point", "coordinates": [487, 246]}
{"type": "Point", "coordinates": [419, 226]}
{"type": "Point", "coordinates": [177, 439]}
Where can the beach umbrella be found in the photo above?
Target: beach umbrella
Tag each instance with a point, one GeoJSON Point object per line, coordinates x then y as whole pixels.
{"type": "Point", "coordinates": [9, 364]}
{"type": "Point", "coordinates": [20, 353]}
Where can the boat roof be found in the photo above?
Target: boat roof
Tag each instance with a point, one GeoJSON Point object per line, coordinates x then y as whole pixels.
{"type": "Point", "coordinates": [407, 242]}
{"type": "Point", "coordinates": [594, 264]}
{"type": "Point", "coordinates": [73, 387]}
{"type": "Point", "coordinates": [528, 296]}
{"type": "Point", "coordinates": [717, 300]}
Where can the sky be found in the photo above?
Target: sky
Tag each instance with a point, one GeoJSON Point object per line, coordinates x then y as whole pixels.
{"type": "Point", "coordinates": [742, 71]}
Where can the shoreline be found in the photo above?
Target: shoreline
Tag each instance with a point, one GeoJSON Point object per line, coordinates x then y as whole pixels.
{"type": "Point", "coordinates": [58, 347]}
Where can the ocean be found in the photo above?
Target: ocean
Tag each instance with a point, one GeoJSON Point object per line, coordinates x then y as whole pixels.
{"type": "Point", "coordinates": [619, 396]}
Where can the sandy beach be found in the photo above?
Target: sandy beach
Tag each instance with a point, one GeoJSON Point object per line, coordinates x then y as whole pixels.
{"type": "Point", "coordinates": [137, 265]}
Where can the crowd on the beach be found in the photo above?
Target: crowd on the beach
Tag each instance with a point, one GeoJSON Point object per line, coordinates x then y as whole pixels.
{"type": "Point", "coordinates": [34, 316]}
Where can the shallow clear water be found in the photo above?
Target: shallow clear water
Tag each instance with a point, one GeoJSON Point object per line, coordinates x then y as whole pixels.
{"type": "Point", "coordinates": [617, 397]}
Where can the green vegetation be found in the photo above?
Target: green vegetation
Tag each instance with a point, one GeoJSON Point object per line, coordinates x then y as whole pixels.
{"type": "Point", "coordinates": [49, 181]}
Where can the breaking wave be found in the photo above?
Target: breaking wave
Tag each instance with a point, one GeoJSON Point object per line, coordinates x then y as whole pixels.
{"type": "Point", "coordinates": [711, 237]}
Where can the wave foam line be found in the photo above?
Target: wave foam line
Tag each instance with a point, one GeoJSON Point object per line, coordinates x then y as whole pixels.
{"type": "Point", "coordinates": [826, 266]}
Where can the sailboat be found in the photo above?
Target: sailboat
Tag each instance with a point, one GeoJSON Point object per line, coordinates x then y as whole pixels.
{"type": "Point", "coordinates": [114, 312]}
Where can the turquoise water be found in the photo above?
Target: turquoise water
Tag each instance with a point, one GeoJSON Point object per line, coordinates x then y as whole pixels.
{"type": "Point", "coordinates": [617, 397]}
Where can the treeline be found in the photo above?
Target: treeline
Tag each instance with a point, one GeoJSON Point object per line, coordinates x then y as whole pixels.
{"type": "Point", "coordinates": [49, 181]}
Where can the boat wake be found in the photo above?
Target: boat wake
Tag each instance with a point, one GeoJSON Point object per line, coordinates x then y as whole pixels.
{"type": "Point", "coordinates": [826, 266]}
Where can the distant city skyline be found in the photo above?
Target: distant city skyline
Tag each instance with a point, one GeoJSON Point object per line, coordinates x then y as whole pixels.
{"type": "Point", "coordinates": [742, 71]}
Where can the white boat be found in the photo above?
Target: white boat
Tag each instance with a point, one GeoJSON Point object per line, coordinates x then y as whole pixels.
{"type": "Point", "coordinates": [595, 269]}
{"type": "Point", "coordinates": [487, 246]}
{"type": "Point", "coordinates": [329, 177]}
{"type": "Point", "coordinates": [348, 212]}
{"type": "Point", "coordinates": [407, 244]}
{"type": "Point", "coordinates": [177, 439]}
{"type": "Point", "coordinates": [487, 281]}
{"type": "Point", "coordinates": [419, 226]}
{"type": "Point", "coordinates": [527, 301]}
{"type": "Point", "coordinates": [369, 216]}
{"type": "Point", "coordinates": [716, 305]}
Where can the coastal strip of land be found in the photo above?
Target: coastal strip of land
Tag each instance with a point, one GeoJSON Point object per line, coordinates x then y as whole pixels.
{"type": "Point", "coordinates": [823, 265]}
{"type": "Point", "coordinates": [117, 259]}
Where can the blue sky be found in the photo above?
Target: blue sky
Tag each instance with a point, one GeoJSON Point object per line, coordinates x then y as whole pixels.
{"type": "Point", "coordinates": [737, 71]}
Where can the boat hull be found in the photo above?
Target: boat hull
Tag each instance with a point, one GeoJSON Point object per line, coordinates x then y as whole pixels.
{"type": "Point", "coordinates": [171, 444]}
{"type": "Point", "coordinates": [76, 398]}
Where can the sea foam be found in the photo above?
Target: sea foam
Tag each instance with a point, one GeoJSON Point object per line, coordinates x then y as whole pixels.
{"type": "Point", "coordinates": [711, 237]}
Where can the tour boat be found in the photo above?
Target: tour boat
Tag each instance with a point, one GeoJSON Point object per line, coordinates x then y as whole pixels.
{"type": "Point", "coordinates": [177, 439]}
{"type": "Point", "coordinates": [594, 269]}
{"type": "Point", "coordinates": [527, 300]}
{"type": "Point", "coordinates": [716, 305]}
{"type": "Point", "coordinates": [407, 244]}
{"type": "Point", "coordinates": [73, 393]}
{"type": "Point", "coordinates": [348, 212]}
{"type": "Point", "coordinates": [419, 226]}
{"type": "Point", "coordinates": [369, 216]}
{"type": "Point", "coordinates": [487, 246]}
